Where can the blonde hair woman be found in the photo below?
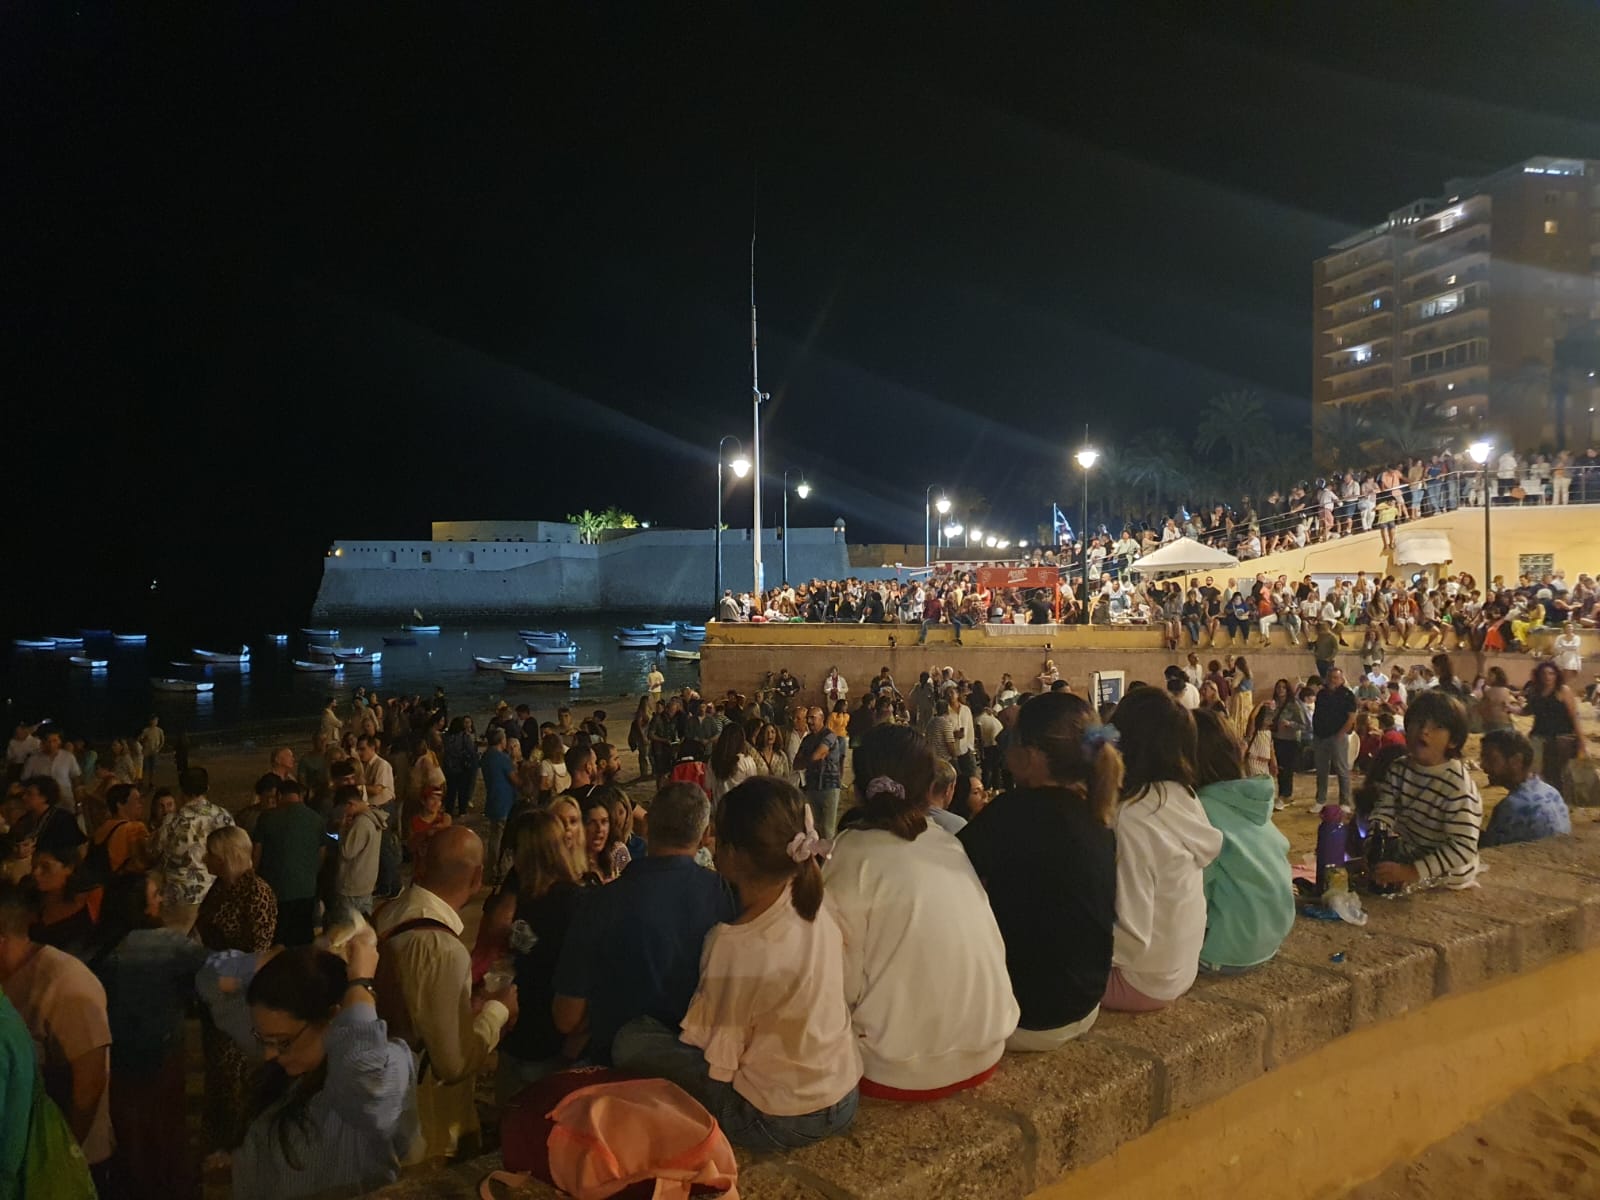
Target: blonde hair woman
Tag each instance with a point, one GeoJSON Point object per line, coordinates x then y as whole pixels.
{"type": "Point", "coordinates": [567, 811]}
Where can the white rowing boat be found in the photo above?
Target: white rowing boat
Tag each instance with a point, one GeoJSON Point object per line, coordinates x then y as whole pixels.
{"type": "Point", "coordinates": [301, 665]}
{"type": "Point", "coordinates": [180, 685]}
{"type": "Point", "coordinates": [88, 664]}
{"type": "Point", "coordinates": [224, 656]}
{"type": "Point", "coordinates": [684, 655]}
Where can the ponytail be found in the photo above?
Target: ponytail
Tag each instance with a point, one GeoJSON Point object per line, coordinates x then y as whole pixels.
{"type": "Point", "coordinates": [806, 891]}
{"type": "Point", "coordinates": [1105, 781]}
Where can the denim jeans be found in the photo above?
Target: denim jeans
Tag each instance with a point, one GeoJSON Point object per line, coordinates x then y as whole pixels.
{"type": "Point", "coordinates": [824, 808]}
{"type": "Point", "coordinates": [960, 623]}
{"type": "Point", "coordinates": [927, 625]}
{"type": "Point", "coordinates": [647, 1047]}
{"type": "Point", "coordinates": [1332, 754]}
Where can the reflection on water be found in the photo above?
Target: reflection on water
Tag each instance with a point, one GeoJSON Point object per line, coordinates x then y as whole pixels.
{"type": "Point", "coordinates": [117, 700]}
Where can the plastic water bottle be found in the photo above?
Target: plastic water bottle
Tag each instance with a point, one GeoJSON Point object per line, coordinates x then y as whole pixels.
{"type": "Point", "coordinates": [1331, 851]}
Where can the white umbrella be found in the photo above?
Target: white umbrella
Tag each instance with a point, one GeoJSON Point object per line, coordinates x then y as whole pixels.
{"type": "Point", "coordinates": [1185, 554]}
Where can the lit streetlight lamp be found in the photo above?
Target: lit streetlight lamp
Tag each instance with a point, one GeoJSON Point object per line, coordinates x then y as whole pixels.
{"type": "Point", "coordinates": [1086, 458]}
{"type": "Point", "coordinates": [928, 507]}
{"type": "Point", "coordinates": [740, 466]}
{"type": "Point", "coordinates": [803, 490]}
{"type": "Point", "coordinates": [1479, 452]}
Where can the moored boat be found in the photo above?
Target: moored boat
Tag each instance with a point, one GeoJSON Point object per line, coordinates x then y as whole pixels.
{"type": "Point", "coordinates": [500, 662]}
{"type": "Point", "coordinates": [129, 639]}
{"type": "Point", "coordinates": [654, 642]}
{"type": "Point", "coordinates": [301, 665]}
{"type": "Point", "coordinates": [319, 633]}
{"type": "Point", "coordinates": [87, 663]}
{"type": "Point", "coordinates": [421, 628]}
{"type": "Point", "coordinates": [34, 644]}
{"type": "Point", "coordinates": [359, 656]}
{"type": "Point", "coordinates": [658, 627]}
{"type": "Point", "coordinates": [278, 639]}
{"type": "Point", "coordinates": [684, 655]}
{"type": "Point", "coordinates": [180, 685]}
{"type": "Point", "coordinates": [692, 633]}
{"type": "Point", "coordinates": [557, 635]}
{"type": "Point", "coordinates": [64, 643]}
{"type": "Point", "coordinates": [224, 656]}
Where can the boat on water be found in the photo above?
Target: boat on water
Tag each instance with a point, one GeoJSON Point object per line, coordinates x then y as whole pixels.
{"type": "Point", "coordinates": [62, 643]}
{"type": "Point", "coordinates": [224, 656]}
{"type": "Point", "coordinates": [544, 635]}
{"type": "Point", "coordinates": [654, 642]}
{"type": "Point", "coordinates": [421, 628]}
{"type": "Point", "coordinates": [88, 664]}
{"type": "Point", "coordinates": [550, 647]}
{"type": "Point", "coordinates": [692, 633]}
{"type": "Point", "coordinates": [335, 651]}
{"type": "Point", "coordinates": [657, 627]}
{"type": "Point", "coordinates": [501, 661]}
{"type": "Point", "coordinates": [358, 656]}
{"type": "Point", "coordinates": [684, 655]}
{"type": "Point", "coordinates": [319, 633]}
{"type": "Point", "coordinates": [180, 685]}
{"type": "Point", "coordinates": [556, 676]}
{"type": "Point", "coordinates": [300, 664]}
{"type": "Point", "coordinates": [34, 644]}
{"type": "Point", "coordinates": [129, 639]}
{"type": "Point", "coordinates": [399, 641]}
{"type": "Point", "coordinates": [638, 631]}
{"type": "Point", "coordinates": [278, 639]}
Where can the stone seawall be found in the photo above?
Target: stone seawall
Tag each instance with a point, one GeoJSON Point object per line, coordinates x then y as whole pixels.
{"type": "Point", "coordinates": [649, 571]}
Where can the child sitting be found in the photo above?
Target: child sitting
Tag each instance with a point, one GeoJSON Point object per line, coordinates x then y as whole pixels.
{"type": "Point", "coordinates": [767, 1044]}
{"type": "Point", "coordinates": [1428, 800]}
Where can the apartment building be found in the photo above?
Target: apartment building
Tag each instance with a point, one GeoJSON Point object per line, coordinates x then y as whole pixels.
{"type": "Point", "coordinates": [1481, 303]}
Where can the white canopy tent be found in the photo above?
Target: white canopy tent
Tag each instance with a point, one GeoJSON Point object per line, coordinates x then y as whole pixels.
{"type": "Point", "coordinates": [1422, 548]}
{"type": "Point", "coordinates": [1185, 554]}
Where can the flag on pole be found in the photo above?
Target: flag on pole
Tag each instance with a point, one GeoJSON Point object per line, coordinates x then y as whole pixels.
{"type": "Point", "coordinates": [1059, 525]}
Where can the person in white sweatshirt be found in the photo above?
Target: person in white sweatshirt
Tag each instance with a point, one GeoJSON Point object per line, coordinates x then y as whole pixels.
{"type": "Point", "coordinates": [1164, 844]}
{"type": "Point", "coordinates": [924, 963]}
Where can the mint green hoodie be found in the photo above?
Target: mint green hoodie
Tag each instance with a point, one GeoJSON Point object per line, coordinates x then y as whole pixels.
{"type": "Point", "coordinates": [1249, 892]}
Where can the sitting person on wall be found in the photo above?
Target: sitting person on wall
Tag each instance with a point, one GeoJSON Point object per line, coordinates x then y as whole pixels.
{"type": "Point", "coordinates": [1429, 801]}
{"type": "Point", "coordinates": [766, 1044]}
{"type": "Point", "coordinates": [1164, 844]}
{"type": "Point", "coordinates": [1249, 891]}
{"type": "Point", "coordinates": [904, 893]}
{"type": "Point", "coordinates": [1532, 809]}
{"type": "Point", "coordinates": [1047, 858]}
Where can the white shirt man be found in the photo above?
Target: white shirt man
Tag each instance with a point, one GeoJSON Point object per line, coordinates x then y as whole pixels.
{"type": "Point", "coordinates": [22, 747]}
{"type": "Point", "coordinates": [835, 688]}
{"type": "Point", "coordinates": [58, 763]}
{"type": "Point", "coordinates": [376, 774]}
{"type": "Point", "coordinates": [654, 682]}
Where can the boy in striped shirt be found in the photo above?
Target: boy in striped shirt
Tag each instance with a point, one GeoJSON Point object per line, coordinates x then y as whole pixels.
{"type": "Point", "coordinates": [1428, 799]}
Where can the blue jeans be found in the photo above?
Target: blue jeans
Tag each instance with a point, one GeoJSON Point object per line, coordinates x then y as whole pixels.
{"type": "Point", "coordinates": [825, 809]}
{"type": "Point", "coordinates": [647, 1047]}
{"type": "Point", "coordinates": [927, 625]}
{"type": "Point", "coordinates": [960, 623]}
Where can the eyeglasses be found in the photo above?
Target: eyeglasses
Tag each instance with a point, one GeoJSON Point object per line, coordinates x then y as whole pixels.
{"type": "Point", "coordinates": [278, 1046]}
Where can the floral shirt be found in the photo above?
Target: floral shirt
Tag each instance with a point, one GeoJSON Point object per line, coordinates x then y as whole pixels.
{"type": "Point", "coordinates": [180, 847]}
{"type": "Point", "coordinates": [1534, 810]}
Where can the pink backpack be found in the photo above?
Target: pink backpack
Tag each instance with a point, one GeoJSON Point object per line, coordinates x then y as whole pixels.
{"type": "Point", "coordinates": [617, 1137]}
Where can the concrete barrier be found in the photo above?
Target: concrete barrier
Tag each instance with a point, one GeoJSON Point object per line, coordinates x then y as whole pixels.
{"type": "Point", "coordinates": [1353, 1047]}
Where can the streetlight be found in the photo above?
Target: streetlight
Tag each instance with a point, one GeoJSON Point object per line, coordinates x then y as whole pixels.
{"type": "Point", "coordinates": [952, 530]}
{"type": "Point", "coordinates": [1086, 457]}
{"type": "Point", "coordinates": [928, 505]}
{"type": "Point", "coordinates": [803, 490]}
{"type": "Point", "coordinates": [1479, 452]}
{"type": "Point", "coordinates": [991, 541]}
{"type": "Point", "coordinates": [741, 468]}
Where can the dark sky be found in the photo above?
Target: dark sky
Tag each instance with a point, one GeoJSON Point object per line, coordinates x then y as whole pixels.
{"type": "Point", "coordinates": [306, 272]}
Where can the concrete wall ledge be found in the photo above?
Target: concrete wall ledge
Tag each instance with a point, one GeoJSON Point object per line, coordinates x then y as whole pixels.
{"type": "Point", "coordinates": [1044, 1116]}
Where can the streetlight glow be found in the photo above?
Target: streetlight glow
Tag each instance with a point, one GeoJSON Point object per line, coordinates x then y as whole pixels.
{"type": "Point", "coordinates": [990, 541]}
{"type": "Point", "coordinates": [1087, 457]}
{"type": "Point", "coordinates": [803, 490]}
{"type": "Point", "coordinates": [741, 466]}
{"type": "Point", "coordinates": [953, 529]}
{"type": "Point", "coordinates": [1479, 452]}
{"type": "Point", "coordinates": [942, 504]}
{"type": "Point", "coordinates": [977, 533]}
{"type": "Point", "coordinates": [1022, 545]}
{"type": "Point", "coordinates": [1005, 543]}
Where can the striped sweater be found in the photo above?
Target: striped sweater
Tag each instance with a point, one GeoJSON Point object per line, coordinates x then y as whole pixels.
{"type": "Point", "coordinates": [1436, 812]}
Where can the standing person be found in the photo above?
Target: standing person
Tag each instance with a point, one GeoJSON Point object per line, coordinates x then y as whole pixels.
{"type": "Point", "coordinates": [966, 733]}
{"type": "Point", "coordinates": [17, 1074]}
{"type": "Point", "coordinates": [902, 891]}
{"type": "Point", "coordinates": [152, 740]}
{"type": "Point", "coordinates": [499, 795]}
{"type": "Point", "coordinates": [180, 849]}
{"type": "Point", "coordinates": [1290, 722]}
{"type": "Point", "coordinates": [634, 946]}
{"type": "Point", "coordinates": [666, 736]}
{"type": "Point", "coordinates": [23, 746]}
{"type": "Point", "coordinates": [122, 841]}
{"type": "Point", "coordinates": [821, 761]}
{"type": "Point", "coordinates": [1047, 858]}
{"type": "Point", "coordinates": [290, 842]}
{"type": "Point", "coordinates": [1554, 707]}
{"type": "Point", "coordinates": [430, 1005]}
{"type": "Point", "coordinates": [1325, 649]}
{"type": "Point", "coordinates": [331, 725]}
{"type": "Point", "coordinates": [766, 1043]}
{"type": "Point", "coordinates": [55, 761]}
{"type": "Point", "coordinates": [1332, 719]}
{"type": "Point", "coordinates": [64, 1007]}
{"type": "Point", "coordinates": [639, 735]}
{"type": "Point", "coordinates": [238, 913]}
{"type": "Point", "coordinates": [732, 761]}
{"type": "Point", "coordinates": [1164, 844]}
{"type": "Point", "coordinates": [335, 1114]}
{"type": "Point", "coordinates": [148, 972]}
{"type": "Point", "coordinates": [360, 848]}
{"type": "Point", "coordinates": [460, 767]}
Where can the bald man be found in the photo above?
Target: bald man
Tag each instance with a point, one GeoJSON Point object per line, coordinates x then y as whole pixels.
{"type": "Point", "coordinates": [424, 991]}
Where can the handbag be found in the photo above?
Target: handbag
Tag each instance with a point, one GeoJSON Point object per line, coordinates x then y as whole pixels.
{"type": "Point", "coordinates": [53, 1165]}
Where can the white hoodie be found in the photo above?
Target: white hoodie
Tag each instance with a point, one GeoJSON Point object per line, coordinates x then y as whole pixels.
{"type": "Point", "coordinates": [1164, 844]}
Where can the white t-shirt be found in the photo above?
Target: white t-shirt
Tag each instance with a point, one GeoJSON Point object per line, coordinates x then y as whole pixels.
{"type": "Point", "coordinates": [1190, 696]}
{"type": "Point", "coordinates": [989, 728]}
{"type": "Point", "coordinates": [744, 767]}
{"type": "Point", "coordinates": [1164, 844]}
{"type": "Point", "coordinates": [901, 907]}
{"type": "Point", "coordinates": [655, 679]}
{"type": "Point", "coordinates": [63, 768]}
{"type": "Point", "coordinates": [19, 751]}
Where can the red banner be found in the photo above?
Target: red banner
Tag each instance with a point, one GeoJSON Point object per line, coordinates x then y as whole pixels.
{"type": "Point", "coordinates": [1018, 577]}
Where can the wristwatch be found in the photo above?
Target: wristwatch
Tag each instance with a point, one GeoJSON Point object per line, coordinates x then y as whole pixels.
{"type": "Point", "coordinates": [366, 981]}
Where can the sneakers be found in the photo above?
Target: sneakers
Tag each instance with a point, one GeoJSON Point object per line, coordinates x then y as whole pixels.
{"type": "Point", "coordinates": [1279, 804]}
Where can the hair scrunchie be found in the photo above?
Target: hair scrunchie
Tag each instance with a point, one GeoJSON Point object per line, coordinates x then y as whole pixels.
{"type": "Point", "coordinates": [1099, 735]}
{"type": "Point", "coordinates": [806, 844]}
{"type": "Point", "coordinates": [882, 783]}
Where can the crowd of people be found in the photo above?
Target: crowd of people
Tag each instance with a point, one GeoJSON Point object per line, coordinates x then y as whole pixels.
{"type": "Point", "coordinates": [763, 931]}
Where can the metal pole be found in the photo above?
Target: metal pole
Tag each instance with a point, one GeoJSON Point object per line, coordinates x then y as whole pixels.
{"type": "Point", "coordinates": [785, 528]}
{"type": "Point", "coordinates": [1083, 551]}
{"type": "Point", "coordinates": [755, 447]}
{"type": "Point", "coordinates": [927, 526]}
{"type": "Point", "coordinates": [1488, 562]}
{"type": "Point", "coordinates": [716, 587]}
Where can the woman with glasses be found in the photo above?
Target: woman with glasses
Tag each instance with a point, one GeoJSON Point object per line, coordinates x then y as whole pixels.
{"type": "Point", "coordinates": [334, 1107]}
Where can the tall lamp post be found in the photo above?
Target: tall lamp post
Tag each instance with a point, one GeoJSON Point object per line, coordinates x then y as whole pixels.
{"type": "Point", "coordinates": [803, 490]}
{"type": "Point", "coordinates": [1086, 457]}
{"type": "Point", "coordinates": [741, 468]}
{"type": "Point", "coordinates": [928, 505]}
{"type": "Point", "coordinates": [1479, 452]}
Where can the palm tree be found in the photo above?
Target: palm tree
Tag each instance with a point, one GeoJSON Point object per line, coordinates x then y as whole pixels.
{"type": "Point", "coordinates": [589, 525]}
{"type": "Point", "coordinates": [1344, 433]}
{"type": "Point", "coordinates": [1154, 466]}
{"type": "Point", "coordinates": [616, 518]}
{"type": "Point", "coordinates": [1231, 421]}
{"type": "Point", "coordinates": [1410, 428]}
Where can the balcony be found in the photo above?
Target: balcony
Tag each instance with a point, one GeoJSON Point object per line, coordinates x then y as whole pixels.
{"type": "Point", "coordinates": [1374, 281]}
{"type": "Point", "coordinates": [1421, 289]}
{"type": "Point", "coordinates": [1438, 363]}
{"type": "Point", "coordinates": [1476, 221]}
{"type": "Point", "coordinates": [1345, 324]}
{"type": "Point", "coordinates": [1380, 384]}
{"type": "Point", "coordinates": [1351, 367]}
{"type": "Point", "coordinates": [1342, 344]}
{"type": "Point", "coordinates": [1468, 393]}
{"type": "Point", "coordinates": [1441, 333]}
{"type": "Point", "coordinates": [1431, 259]}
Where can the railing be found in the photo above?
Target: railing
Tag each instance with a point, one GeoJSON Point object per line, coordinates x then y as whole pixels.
{"type": "Point", "coordinates": [1371, 362]}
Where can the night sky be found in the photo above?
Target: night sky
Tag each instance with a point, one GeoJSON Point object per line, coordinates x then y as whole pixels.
{"type": "Point", "coordinates": [299, 273]}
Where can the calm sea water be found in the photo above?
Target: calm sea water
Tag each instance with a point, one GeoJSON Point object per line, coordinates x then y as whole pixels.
{"type": "Point", "coordinates": [271, 694]}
